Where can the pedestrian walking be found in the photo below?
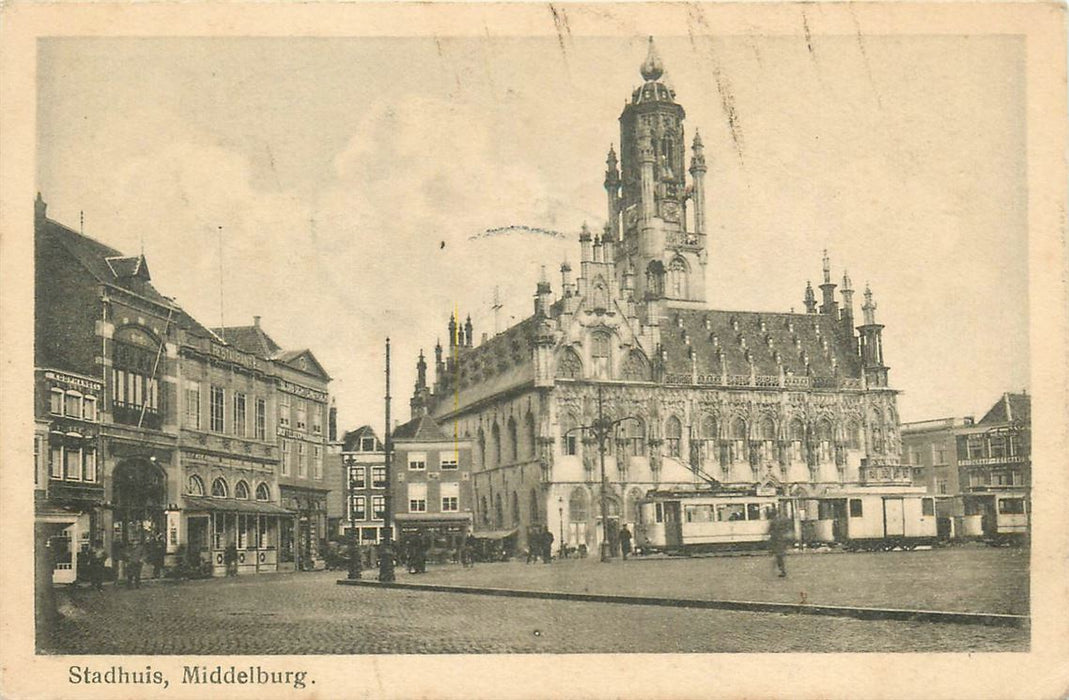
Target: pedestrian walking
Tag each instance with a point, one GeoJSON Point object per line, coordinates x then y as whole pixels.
{"type": "Point", "coordinates": [534, 544]}
{"type": "Point", "coordinates": [97, 558]}
{"type": "Point", "coordinates": [135, 558]}
{"type": "Point", "coordinates": [547, 545]}
{"type": "Point", "coordinates": [625, 541]}
{"type": "Point", "coordinates": [780, 536]}
{"type": "Point", "coordinates": [470, 548]}
{"type": "Point", "coordinates": [230, 558]}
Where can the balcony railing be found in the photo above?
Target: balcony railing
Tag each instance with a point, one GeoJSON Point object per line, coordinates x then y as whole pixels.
{"type": "Point", "coordinates": [766, 381]}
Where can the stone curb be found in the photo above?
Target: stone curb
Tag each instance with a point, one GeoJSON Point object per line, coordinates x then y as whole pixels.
{"type": "Point", "coordinates": [859, 613]}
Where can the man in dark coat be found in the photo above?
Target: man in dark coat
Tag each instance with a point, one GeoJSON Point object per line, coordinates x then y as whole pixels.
{"type": "Point", "coordinates": [547, 545]}
{"type": "Point", "coordinates": [780, 536]}
{"type": "Point", "coordinates": [135, 558]}
{"type": "Point", "coordinates": [534, 544]}
{"type": "Point", "coordinates": [625, 541]}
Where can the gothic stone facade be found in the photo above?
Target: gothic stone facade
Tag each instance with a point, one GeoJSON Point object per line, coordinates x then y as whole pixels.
{"type": "Point", "coordinates": [798, 401]}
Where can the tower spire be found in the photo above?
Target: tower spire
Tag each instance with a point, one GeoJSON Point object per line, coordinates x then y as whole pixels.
{"type": "Point", "coordinates": [827, 289]}
{"type": "Point", "coordinates": [652, 68]}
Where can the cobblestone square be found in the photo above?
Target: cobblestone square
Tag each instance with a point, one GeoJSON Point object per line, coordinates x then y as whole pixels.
{"type": "Point", "coordinates": [308, 613]}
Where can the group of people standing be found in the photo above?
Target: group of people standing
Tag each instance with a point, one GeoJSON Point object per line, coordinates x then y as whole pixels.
{"type": "Point", "coordinates": [132, 555]}
{"type": "Point", "coordinates": [540, 543]}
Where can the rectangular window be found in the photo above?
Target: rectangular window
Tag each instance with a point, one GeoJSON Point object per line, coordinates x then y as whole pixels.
{"type": "Point", "coordinates": [73, 407]}
{"type": "Point", "coordinates": [417, 498]}
{"type": "Point", "coordinates": [975, 446]}
{"type": "Point", "coordinates": [927, 506]}
{"type": "Point", "coordinates": [941, 486]}
{"type": "Point", "coordinates": [450, 494]}
{"type": "Point", "coordinates": [658, 512]}
{"type": "Point", "coordinates": [72, 464]}
{"type": "Point", "coordinates": [367, 444]}
{"type": "Point", "coordinates": [317, 420]}
{"type": "Point", "coordinates": [89, 408]}
{"type": "Point", "coordinates": [378, 507]}
{"type": "Point", "coordinates": [753, 511]}
{"type": "Point", "coordinates": [217, 407]}
{"type": "Point", "coordinates": [673, 446]}
{"type": "Point", "coordinates": [855, 508]}
{"type": "Point", "coordinates": [1011, 506]}
{"type": "Point", "coordinates": [261, 419]}
{"type": "Point", "coordinates": [302, 415]}
{"type": "Point", "coordinates": [1016, 478]}
{"type": "Point", "coordinates": [996, 446]}
{"type": "Point", "coordinates": [571, 444]}
{"type": "Point", "coordinates": [192, 398]}
{"type": "Point", "coordinates": [449, 461]}
{"type": "Point", "coordinates": [939, 453]}
{"type": "Point", "coordinates": [55, 470]}
{"type": "Point", "coordinates": [417, 461]}
{"type": "Point", "coordinates": [55, 404]}
{"type": "Point", "coordinates": [302, 461]}
{"type": "Point", "coordinates": [239, 414]}
{"type": "Point", "coordinates": [358, 508]}
{"type": "Point", "coordinates": [284, 410]}
{"type": "Point", "coordinates": [243, 532]}
{"type": "Point", "coordinates": [317, 461]}
{"type": "Point", "coordinates": [89, 466]}
{"type": "Point", "coordinates": [357, 478]}
{"type": "Point", "coordinates": [284, 456]}
{"type": "Point", "coordinates": [218, 531]}
{"type": "Point", "coordinates": [378, 477]}
{"type": "Point", "coordinates": [725, 512]}
{"type": "Point", "coordinates": [369, 534]}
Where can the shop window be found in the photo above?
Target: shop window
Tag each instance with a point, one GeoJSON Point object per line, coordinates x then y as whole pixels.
{"type": "Point", "coordinates": [263, 492]}
{"type": "Point", "coordinates": [855, 508]}
{"type": "Point", "coordinates": [195, 485]}
{"type": "Point", "coordinates": [218, 531]}
{"type": "Point", "coordinates": [220, 488]}
{"type": "Point", "coordinates": [241, 491]}
{"type": "Point", "coordinates": [243, 532]}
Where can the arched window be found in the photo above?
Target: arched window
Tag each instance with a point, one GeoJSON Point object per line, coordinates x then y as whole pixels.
{"type": "Point", "coordinates": [853, 435]}
{"type": "Point", "coordinates": [536, 511]}
{"type": "Point", "coordinates": [195, 486]}
{"type": "Point", "coordinates": [515, 509]}
{"type": "Point", "coordinates": [600, 355]}
{"type": "Point", "coordinates": [569, 437]}
{"type": "Point", "coordinates": [677, 279]}
{"type": "Point", "coordinates": [824, 435]}
{"type": "Point", "coordinates": [241, 491]}
{"type": "Point", "coordinates": [482, 448]}
{"type": "Point", "coordinates": [220, 489]}
{"type": "Point", "coordinates": [737, 440]}
{"type": "Point", "coordinates": [484, 510]}
{"type": "Point", "coordinates": [263, 492]}
{"type": "Point", "coordinates": [495, 445]}
{"type": "Point", "coordinates": [673, 433]}
{"type": "Point", "coordinates": [636, 368]}
{"type": "Point", "coordinates": [569, 366]}
{"type": "Point", "coordinates": [529, 435]}
{"type": "Point", "coordinates": [767, 435]}
{"type": "Point", "coordinates": [797, 435]}
{"type": "Point", "coordinates": [708, 436]}
{"type": "Point", "coordinates": [634, 437]}
{"type": "Point", "coordinates": [577, 506]}
{"type": "Point", "coordinates": [513, 447]}
{"type": "Point", "coordinates": [631, 507]}
{"type": "Point", "coordinates": [655, 279]}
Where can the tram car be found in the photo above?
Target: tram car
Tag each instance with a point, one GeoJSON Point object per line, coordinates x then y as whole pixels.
{"type": "Point", "coordinates": [867, 519]}
{"type": "Point", "coordinates": [995, 517]}
{"type": "Point", "coordinates": [688, 522]}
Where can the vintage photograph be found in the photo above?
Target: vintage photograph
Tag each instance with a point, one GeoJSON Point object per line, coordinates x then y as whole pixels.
{"type": "Point", "coordinates": [658, 340]}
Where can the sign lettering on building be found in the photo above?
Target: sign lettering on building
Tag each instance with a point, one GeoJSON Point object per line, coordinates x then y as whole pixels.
{"type": "Point", "coordinates": [302, 391]}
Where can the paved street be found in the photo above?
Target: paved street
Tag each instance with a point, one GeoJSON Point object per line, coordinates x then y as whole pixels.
{"type": "Point", "coordinates": [309, 614]}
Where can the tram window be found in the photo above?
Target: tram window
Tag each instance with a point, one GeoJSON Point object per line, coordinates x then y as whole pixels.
{"type": "Point", "coordinates": [855, 508]}
{"type": "Point", "coordinates": [1011, 506]}
{"type": "Point", "coordinates": [730, 511]}
{"type": "Point", "coordinates": [753, 511]}
{"type": "Point", "coordinates": [658, 512]}
{"type": "Point", "coordinates": [927, 506]}
{"type": "Point", "coordinates": [699, 514]}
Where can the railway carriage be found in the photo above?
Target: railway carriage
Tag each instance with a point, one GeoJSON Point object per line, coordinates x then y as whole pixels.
{"type": "Point", "coordinates": [870, 520]}
{"type": "Point", "coordinates": [996, 517]}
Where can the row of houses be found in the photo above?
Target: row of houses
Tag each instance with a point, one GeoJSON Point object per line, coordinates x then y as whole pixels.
{"type": "Point", "coordinates": [153, 429]}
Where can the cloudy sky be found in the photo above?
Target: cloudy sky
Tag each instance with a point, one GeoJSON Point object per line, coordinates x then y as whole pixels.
{"type": "Point", "coordinates": [352, 179]}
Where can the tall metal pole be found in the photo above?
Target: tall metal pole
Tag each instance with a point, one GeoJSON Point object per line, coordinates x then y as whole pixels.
{"type": "Point", "coordinates": [386, 551]}
{"type": "Point", "coordinates": [602, 433]}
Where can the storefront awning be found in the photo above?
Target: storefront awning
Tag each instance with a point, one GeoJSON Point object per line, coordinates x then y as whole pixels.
{"type": "Point", "coordinates": [230, 505]}
{"type": "Point", "coordinates": [495, 534]}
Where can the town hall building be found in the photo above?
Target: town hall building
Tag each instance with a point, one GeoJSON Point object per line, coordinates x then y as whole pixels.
{"type": "Point", "coordinates": [796, 402]}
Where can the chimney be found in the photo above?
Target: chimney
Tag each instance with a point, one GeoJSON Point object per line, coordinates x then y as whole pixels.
{"type": "Point", "coordinates": [332, 416]}
{"type": "Point", "coordinates": [256, 321]}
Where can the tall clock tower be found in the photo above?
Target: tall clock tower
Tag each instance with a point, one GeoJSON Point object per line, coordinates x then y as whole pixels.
{"type": "Point", "coordinates": [658, 220]}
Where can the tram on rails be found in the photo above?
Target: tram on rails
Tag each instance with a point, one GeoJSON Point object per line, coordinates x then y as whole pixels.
{"type": "Point", "coordinates": [870, 519]}
{"type": "Point", "coordinates": [683, 522]}
{"type": "Point", "coordinates": [997, 517]}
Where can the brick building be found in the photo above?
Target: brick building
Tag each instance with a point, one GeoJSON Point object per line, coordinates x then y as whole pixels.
{"type": "Point", "coordinates": [362, 463]}
{"type": "Point", "coordinates": [929, 447]}
{"type": "Point", "coordinates": [795, 401]}
{"type": "Point", "coordinates": [176, 435]}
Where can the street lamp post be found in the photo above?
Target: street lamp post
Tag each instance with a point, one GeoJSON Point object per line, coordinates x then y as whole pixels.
{"type": "Point", "coordinates": [602, 428]}
{"type": "Point", "coordinates": [560, 511]}
{"type": "Point", "coordinates": [355, 565]}
{"type": "Point", "coordinates": [386, 550]}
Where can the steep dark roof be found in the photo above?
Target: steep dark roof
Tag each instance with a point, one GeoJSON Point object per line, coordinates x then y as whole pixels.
{"type": "Point", "coordinates": [352, 438]}
{"type": "Point", "coordinates": [250, 339]}
{"type": "Point", "coordinates": [511, 347]}
{"type": "Point", "coordinates": [734, 333]}
{"type": "Point", "coordinates": [1011, 408]}
{"type": "Point", "coordinates": [104, 263]}
{"type": "Point", "coordinates": [423, 429]}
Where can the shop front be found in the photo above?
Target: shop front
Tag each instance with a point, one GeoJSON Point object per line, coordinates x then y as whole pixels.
{"type": "Point", "coordinates": [441, 534]}
{"type": "Point", "coordinates": [259, 532]}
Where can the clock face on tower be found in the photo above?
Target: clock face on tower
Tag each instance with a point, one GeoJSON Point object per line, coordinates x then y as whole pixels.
{"type": "Point", "coordinates": [670, 211]}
